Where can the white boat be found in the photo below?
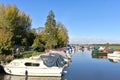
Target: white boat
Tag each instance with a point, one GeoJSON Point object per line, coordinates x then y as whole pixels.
{"type": "Point", "coordinates": [66, 57]}
{"type": "Point", "coordinates": [114, 54]}
{"type": "Point", "coordinates": [101, 48]}
{"type": "Point", "coordinates": [114, 59]}
{"type": "Point", "coordinates": [45, 65]}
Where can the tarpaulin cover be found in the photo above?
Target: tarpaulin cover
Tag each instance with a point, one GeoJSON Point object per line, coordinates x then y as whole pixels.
{"type": "Point", "coordinates": [53, 59]}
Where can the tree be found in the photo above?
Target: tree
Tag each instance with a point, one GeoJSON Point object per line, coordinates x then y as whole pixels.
{"type": "Point", "coordinates": [107, 45]}
{"type": "Point", "coordinates": [22, 28]}
{"type": "Point", "coordinates": [52, 36]}
{"type": "Point", "coordinates": [6, 34]}
{"type": "Point", "coordinates": [31, 35]}
{"type": "Point", "coordinates": [39, 42]}
{"type": "Point", "coordinates": [5, 41]}
{"type": "Point", "coordinates": [62, 35]}
{"type": "Point", "coordinates": [14, 26]}
{"type": "Point", "coordinates": [51, 31]}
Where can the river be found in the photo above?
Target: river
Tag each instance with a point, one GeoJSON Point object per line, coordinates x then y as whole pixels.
{"type": "Point", "coordinates": [83, 67]}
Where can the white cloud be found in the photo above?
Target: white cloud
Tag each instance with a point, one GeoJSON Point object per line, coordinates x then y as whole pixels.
{"type": "Point", "coordinates": [92, 40]}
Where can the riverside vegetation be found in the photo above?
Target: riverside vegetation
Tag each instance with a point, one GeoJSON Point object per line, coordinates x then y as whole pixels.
{"type": "Point", "coordinates": [16, 31]}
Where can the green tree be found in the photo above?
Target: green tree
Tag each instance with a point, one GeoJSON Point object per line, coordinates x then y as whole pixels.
{"type": "Point", "coordinates": [31, 35]}
{"type": "Point", "coordinates": [22, 27]}
{"type": "Point", "coordinates": [39, 42]}
{"type": "Point", "coordinates": [6, 34]}
{"type": "Point", "coordinates": [5, 41]}
{"type": "Point", "coordinates": [14, 26]}
{"type": "Point", "coordinates": [51, 31]}
{"type": "Point", "coordinates": [62, 35]}
{"type": "Point", "coordinates": [107, 45]}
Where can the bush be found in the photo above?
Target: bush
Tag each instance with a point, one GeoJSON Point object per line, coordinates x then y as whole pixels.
{"type": "Point", "coordinates": [6, 58]}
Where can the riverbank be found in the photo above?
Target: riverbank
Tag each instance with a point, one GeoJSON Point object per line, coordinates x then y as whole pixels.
{"type": "Point", "coordinates": [7, 58]}
{"type": "Point", "coordinates": [113, 46]}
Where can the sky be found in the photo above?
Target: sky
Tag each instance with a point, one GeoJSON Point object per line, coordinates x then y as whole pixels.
{"type": "Point", "coordinates": [87, 21]}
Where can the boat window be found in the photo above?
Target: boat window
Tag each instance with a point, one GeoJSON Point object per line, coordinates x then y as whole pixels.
{"type": "Point", "coordinates": [32, 64]}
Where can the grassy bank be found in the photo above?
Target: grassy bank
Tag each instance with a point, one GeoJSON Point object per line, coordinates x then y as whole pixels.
{"type": "Point", "coordinates": [115, 47]}
{"type": "Point", "coordinates": [112, 46]}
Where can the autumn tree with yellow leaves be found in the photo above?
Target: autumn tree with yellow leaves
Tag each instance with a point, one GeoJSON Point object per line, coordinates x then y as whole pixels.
{"type": "Point", "coordinates": [14, 27]}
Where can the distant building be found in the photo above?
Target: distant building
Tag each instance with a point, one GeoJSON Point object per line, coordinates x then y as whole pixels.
{"type": "Point", "coordinates": [39, 29]}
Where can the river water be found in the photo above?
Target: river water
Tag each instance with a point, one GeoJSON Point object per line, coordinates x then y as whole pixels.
{"type": "Point", "coordinates": [84, 66]}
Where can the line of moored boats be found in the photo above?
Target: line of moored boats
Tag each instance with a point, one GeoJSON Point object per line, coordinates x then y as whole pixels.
{"type": "Point", "coordinates": [52, 63]}
{"type": "Point", "coordinates": [102, 52]}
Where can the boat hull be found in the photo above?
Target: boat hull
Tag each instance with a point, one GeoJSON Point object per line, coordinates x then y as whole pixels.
{"type": "Point", "coordinates": [33, 71]}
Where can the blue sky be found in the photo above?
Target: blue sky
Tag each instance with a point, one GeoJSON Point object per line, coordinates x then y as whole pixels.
{"type": "Point", "coordinates": [87, 21]}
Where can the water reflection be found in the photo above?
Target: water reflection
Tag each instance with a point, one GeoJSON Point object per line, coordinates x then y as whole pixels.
{"type": "Point", "coordinates": [1, 76]}
{"type": "Point", "coordinates": [83, 67]}
{"type": "Point", "coordinates": [114, 59]}
{"type": "Point", "coordinates": [99, 55]}
{"type": "Point", "coordinates": [12, 77]}
{"type": "Point", "coordinates": [105, 56]}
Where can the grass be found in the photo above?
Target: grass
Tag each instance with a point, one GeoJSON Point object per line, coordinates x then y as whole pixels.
{"type": "Point", "coordinates": [99, 55]}
{"type": "Point", "coordinates": [115, 47]}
